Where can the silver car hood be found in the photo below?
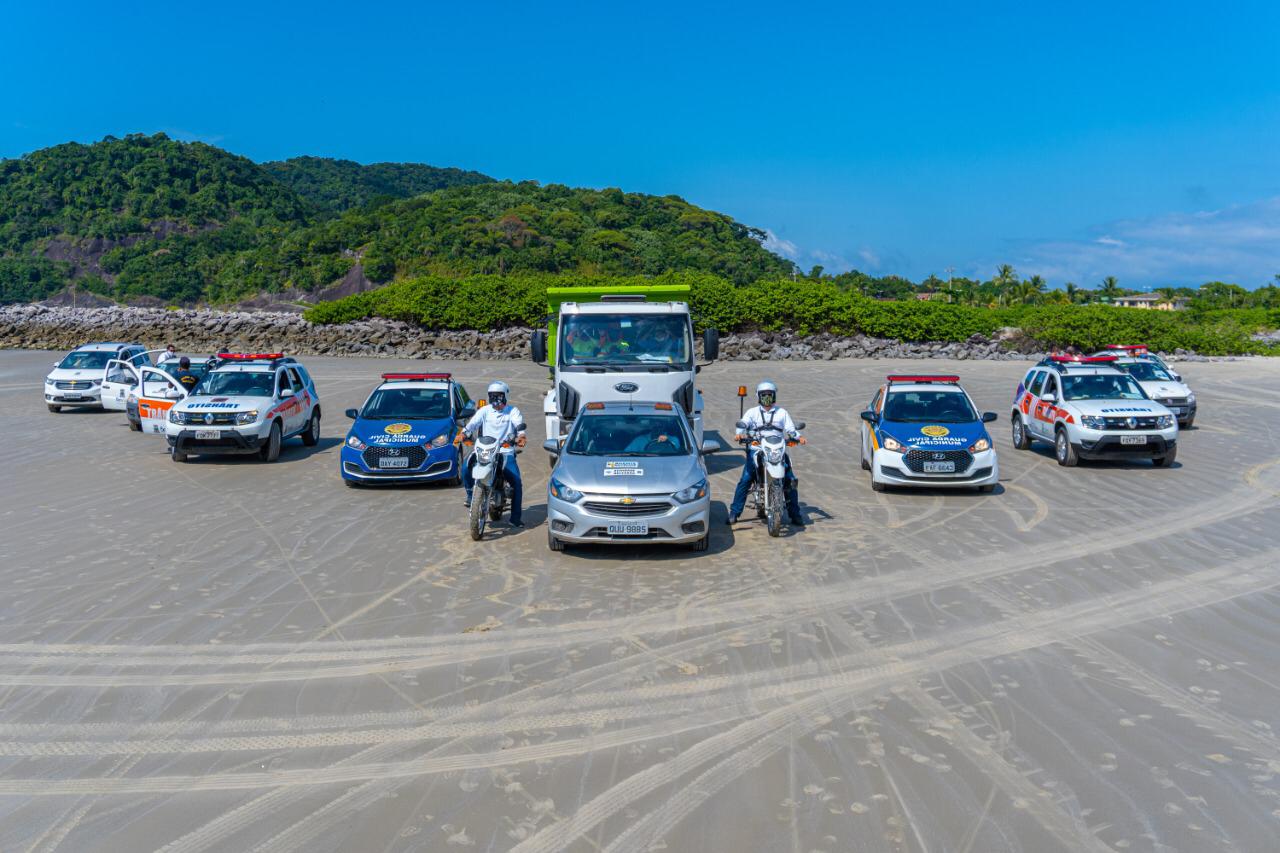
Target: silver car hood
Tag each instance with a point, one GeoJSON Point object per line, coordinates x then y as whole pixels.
{"type": "Point", "coordinates": [658, 474]}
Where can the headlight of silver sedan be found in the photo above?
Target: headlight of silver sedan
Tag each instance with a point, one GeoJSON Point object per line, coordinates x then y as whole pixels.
{"type": "Point", "coordinates": [692, 493]}
{"type": "Point", "coordinates": [565, 493]}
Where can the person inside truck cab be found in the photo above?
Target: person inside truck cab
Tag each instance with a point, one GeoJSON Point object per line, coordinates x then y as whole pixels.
{"type": "Point", "coordinates": [656, 339]}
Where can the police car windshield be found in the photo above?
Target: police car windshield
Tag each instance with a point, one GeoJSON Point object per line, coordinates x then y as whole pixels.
{"type": "Point", "coordinates": [588, 339]}
{"type": "Point", "coordinates": [1146, 371]}
{"type": "Point", "coordinates": [259, 383]}
{"type": "Point", "coordinates": [86, 360]}
{"type": "Point", "coordinates": [935, 407]}
{"type": "Point", "coordinates": [407, 404]}
{"type": "Point", "coordinates": [1101, 386]}
{"type": "Point", "coordinates": [629, 434]}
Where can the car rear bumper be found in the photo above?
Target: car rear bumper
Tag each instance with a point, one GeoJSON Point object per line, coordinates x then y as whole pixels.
{"type": "Point", "coordinates": [888, 467]}
{"type": "Point", "coordinates": [575, 522]}
{"type": "Point", "coordinates": [229, 441]}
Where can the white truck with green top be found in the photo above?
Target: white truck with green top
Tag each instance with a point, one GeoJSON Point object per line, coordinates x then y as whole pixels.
{"type": "Point", "coordinates": [620, 342]}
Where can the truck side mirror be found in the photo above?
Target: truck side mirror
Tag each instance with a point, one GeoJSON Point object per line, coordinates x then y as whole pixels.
{"type": "Point", "coordinates": [538, 346]}
{"type": "Point", "coordinates": [869, 416]}
{"type": "Point", "coordinates": [988, 417]}
{"type": "Point", "coordinates": [710, 344]}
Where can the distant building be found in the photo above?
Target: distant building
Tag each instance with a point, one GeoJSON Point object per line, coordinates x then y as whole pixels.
{"type": "Point", "coordinates": [1152, 301]}
{"type": "Point", "coordinates": [928, 296]}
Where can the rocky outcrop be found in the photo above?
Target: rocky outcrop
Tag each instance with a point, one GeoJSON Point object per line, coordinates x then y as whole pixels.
{"type": "Point", "coordinates": [61, 328]}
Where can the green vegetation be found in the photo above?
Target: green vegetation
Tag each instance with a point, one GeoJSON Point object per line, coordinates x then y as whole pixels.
{"type": "Point", "coordinates": [335, 186]}
{"type": "Point", "coordinates": [498, 301]}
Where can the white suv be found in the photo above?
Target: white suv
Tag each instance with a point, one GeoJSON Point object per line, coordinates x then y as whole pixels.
{"type": "Point", "coordinates": [76, 380]}
{"type": "Point", "coordinates": [249, 403]}
{"type": "Point", "coordinates": [1090, 409]}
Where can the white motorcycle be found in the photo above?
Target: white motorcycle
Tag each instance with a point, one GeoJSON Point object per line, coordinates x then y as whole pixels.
{"type": "Point", "coordinates": [488, 501]}
{"type": "Point", "coordinates": [767, 447]}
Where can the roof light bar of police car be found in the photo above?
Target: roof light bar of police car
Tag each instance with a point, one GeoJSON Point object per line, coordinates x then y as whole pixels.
{"type": "Point", "coordinates": [250, 356]}
{"type": "Point", "coordinates": [1082, 359]}
{"type": "Point", "coordinates": [922, 378]}
{"type": "Point", "coordinates": [1132, 349]}
{"type": "Point", "coordinates": [415, 377]}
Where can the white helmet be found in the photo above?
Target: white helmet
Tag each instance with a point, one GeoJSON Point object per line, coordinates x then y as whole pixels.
{"type": "Point", "coordinates": [769, 389]}
{"type": "Point", "coordinates": [497, 394]}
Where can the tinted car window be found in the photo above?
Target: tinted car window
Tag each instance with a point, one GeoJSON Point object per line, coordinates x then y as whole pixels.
{"type": "Point", "coordinates": [1034, 387]}
{"type": "Point", "coordinates": [629, 434]}
{"type": "Point", "coordinates": [948, 407]}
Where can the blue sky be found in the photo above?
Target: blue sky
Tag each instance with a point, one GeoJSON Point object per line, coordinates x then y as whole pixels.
{"type": "Point", "coordinates": [1140, 140]}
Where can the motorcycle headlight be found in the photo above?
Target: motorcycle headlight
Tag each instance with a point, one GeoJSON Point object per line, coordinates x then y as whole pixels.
{"type": "Point", "coordinates": [890, 443]}
{"type": "Point", "coordinates": [774, 455]}
{"type": "Point", "coordinates": [484, 455]}
{"type": "Point", "coordinates": [176, 417]}
{"type": "Point", "coordinates": [355, 443]}
{"type": "Point", "coordinates": [1164, 421]}
{"type": "Point", "coordinates": [247, 417]}
{"type": "Point", "coordinates": [692, 493]}
{"type": "Point", "coordinates": [565, 493]}
{"type": "Point", "coordinates": [1094, 421]}
{"type": "Point", "coordinates": [980, 445]}
{"type": "Point", "coordinates": [440, 440]}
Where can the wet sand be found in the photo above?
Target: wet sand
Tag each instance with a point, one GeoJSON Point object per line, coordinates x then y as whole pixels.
{"type": "Point", "coordinates": [228, 655]}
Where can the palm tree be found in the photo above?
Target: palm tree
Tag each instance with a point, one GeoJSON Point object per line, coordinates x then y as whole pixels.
{"type": "Point", "coordinates": [1033, 289]}
{"type": "Point", "coordinates": [1073, 291]}
{"type": "Point", "coordinates": [1110, 287]}
{"type": "Point", "coordinates": [1004, 281]}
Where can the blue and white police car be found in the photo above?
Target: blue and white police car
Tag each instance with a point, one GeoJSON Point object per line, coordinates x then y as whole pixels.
{"type": "Point", "coordinates": [924, 430]}
{"type": "Point", "coordinates": [404, 432]}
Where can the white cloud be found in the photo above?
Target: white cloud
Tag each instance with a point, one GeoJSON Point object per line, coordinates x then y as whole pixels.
{"type": "Point", "coordinates": [1240, 244]}
{"type": "Point", "coordinates": [870, 258]}
{"type": "Point", "coordinates": [776, 244]}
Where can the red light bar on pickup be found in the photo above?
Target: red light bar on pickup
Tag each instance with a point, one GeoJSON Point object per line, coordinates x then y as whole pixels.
{"type": "Point", "coordinates": [250, 356]}
{"type": "Point", "coordinates": [1132, 349]}
{"type": "Point", "coordinates": [1082, 359]}
{"type": "Point", "coordinates": [923, 377]}
{"type": "Point", "coordinates": [417, 376]}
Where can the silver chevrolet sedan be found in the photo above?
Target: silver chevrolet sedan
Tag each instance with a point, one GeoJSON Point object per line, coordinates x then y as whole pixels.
{"type": "Point", "coordinates": [629, 472]}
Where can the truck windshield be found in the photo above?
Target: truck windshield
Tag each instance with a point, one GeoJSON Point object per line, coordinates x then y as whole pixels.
{"type": "Point", "coordinates": [629, 434]}
{"type": "Point", "coordinates": [588, 339]}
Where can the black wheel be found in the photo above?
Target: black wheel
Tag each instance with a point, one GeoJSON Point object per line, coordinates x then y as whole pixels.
{"type": "Point", "coordinates": [862, 458]}
{"type": "Point", "coordinates": [1065, 450]}
{"type": "Point", "coordinates": [55, 409]}
{"type": "Point", "coordinates": [178, 455]}
{"type": "Point", "coordinates": [878, 487]}
{"type": "Point", "coordinates": [1188, 423]}
{"type": "Point", "coordinates": [552, 542]}
{"type": "Point", "coordinates": [311, 437]}
{"type": "Point", "coordinates": [497, 504]}
{"type": "Point", "coordinates": [136, 426]}
{"type": "Point", "coordinates": [479, 511]}
{"type": "Point", "coordinates": [456, 479]}
{"type": "Point", "coordinates": [1021, 438]}
{"type": "Point", "coordinates": [701, 544]}
{"type": "Point", "coordinates": [775, 507]}
{"type": "Point", "coordinates": [1166, 460]}
{"type": "Point", "coordinates": [270, 451]}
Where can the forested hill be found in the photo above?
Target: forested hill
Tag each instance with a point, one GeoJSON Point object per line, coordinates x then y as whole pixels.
{"type": "Point", "coordinates": [148, 217]}
{"type": "Point", "coordinates": [334, 186]}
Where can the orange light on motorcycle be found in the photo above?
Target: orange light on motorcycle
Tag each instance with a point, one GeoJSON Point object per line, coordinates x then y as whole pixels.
{"type": "Point", "coordinates": [742, 390]}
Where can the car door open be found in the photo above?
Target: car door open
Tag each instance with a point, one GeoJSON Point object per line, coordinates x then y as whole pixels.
{"type": "Point", "coordinates": [157, 393]}
{"type": "Point", "coordinates": [118, 379]}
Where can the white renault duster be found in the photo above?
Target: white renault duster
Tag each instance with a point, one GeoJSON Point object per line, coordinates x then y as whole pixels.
{"type": "Point", "coordinates": [249, 403]}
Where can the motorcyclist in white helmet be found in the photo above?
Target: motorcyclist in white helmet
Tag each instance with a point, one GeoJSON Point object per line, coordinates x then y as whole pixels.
{"type": "Point", "coordinates": [768, 413]}
{"type": "Point", "coordinates": [502, 421]}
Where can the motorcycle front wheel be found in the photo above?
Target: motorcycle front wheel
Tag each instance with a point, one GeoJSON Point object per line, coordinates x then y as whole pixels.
{"type": "Point", "coordinates": [775, 506]}
{"type": "Point", "coordinates": [479, 509]}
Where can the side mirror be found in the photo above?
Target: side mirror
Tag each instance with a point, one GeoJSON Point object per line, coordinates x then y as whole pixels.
{"type": "Point", "coordinates": [741, 425]}
{"type": "Point", "coordinates": [173, 394]}
{"type": "Point", "coordinates": [353, 413]}
{"type": "Point", "coordinates": [869, 416]}
{"type": "Point", "coordinates": [988, 417]}
{"type": "Point", "coordinates": [466, 412]}
{"type": "Point", "coordinates": [1050, 397]}
{"type": "Point", "coordinates": [288, 392]}
{"type": "Point", "coordinates": [710, 445]}
{"type": "Point", "coordinates": [710, 344]}
{"type": "Point", "coordinates": [1177, 377]}
{"type": "Point", "coordinates": [538, 346]}
{"type": "Point", "coordinates": [799, 424]}
{"type": "Point", "coordinates": [551, 446]}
